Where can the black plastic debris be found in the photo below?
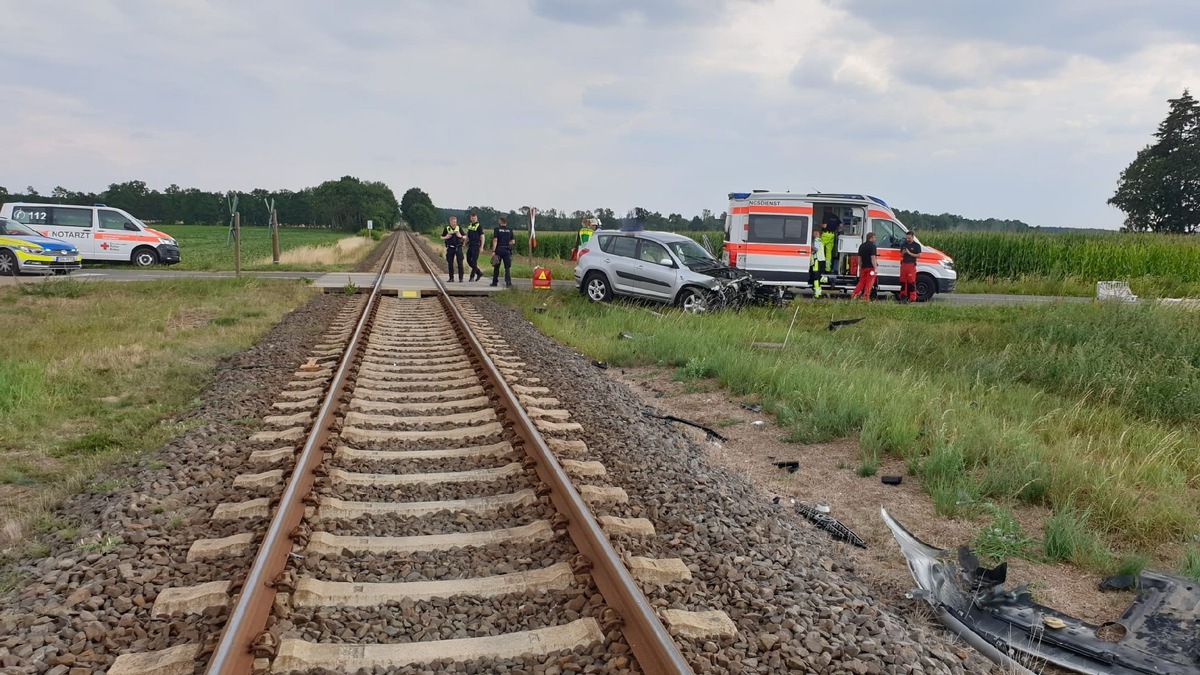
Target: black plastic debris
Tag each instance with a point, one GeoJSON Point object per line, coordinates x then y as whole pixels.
{"type": "Point", "coordinates": [826, 522]}
{"type": "Point", "coordinates": [709, 433]}
{"type": "Point", "coordinates": [1121, 582]}
{"type": "Point", "coordinates": [891, 480]}
{"type": "Point", "coordinates": [752, 407]}
{"type": "Point", "coordinates": [834, 325]}
{"type": "Point", "coordinates": [602, 365]}
{"type": "Point", "coordinates": [791, 465]}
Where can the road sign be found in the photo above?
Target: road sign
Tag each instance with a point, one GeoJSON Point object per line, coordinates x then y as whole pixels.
{"type": "Point", "coordinates": [370, 224]}
{"type": "Point", "coordinates": [541, 278]}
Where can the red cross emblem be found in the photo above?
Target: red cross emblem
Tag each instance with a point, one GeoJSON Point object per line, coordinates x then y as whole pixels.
{"type": "Point", "coordinates": [104, 246]}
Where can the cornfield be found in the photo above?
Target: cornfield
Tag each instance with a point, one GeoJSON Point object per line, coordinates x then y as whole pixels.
{"type": "Point", "coordinates": [981, 255]}
{"type": "Point", "coordinates": [1091, 257]}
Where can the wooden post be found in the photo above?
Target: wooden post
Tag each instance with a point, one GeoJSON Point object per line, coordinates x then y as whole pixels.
{"type": "Point", "coordinates": [274, 238]}
{"type": "Point", "coordinates": [237, 244]}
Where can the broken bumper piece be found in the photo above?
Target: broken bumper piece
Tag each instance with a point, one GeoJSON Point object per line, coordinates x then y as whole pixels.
{"type": "Point", "coordinates": [1157, 633]}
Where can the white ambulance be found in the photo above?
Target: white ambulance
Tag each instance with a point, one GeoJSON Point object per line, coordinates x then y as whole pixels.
{"type": "Point", "coordinates": [101, 233]}
{"type": "Point", "coordinates": [769, 234]}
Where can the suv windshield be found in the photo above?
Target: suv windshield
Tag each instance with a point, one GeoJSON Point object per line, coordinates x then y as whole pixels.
{"type": "Point", "coordinates": [690, 252]}
{"type": "Point", "coordinates": [12, 227]}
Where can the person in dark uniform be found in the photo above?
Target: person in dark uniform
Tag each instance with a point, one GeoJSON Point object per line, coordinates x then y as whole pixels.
{"type": "Point", "coordinates": [475, 240]}
{"type": "Point", "coordinates": [868, 258]}
{"type": "Point", "coordinates": [910, 250]}
{"type": "Point", "coordinates": [502, 248]}
{"type": "Point", "coordinates": [452, 234]}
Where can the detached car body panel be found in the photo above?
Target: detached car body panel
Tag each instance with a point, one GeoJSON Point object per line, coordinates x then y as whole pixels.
{"type": "Point", "coordinates": [23, 250]}
{"type": "Point", "coordinates": [1157, 633]}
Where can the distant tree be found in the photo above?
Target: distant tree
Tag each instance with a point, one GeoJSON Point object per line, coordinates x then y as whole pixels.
{"type": "Point", "coordinates": [420, 219]}
{"type": "Point", "coordinates": [1160, 189]}
{"type": "Point", "coordinates": [348, 203]}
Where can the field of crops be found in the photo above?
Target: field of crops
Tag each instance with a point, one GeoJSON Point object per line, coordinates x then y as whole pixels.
{"type": "Point", "coordinates": [1092, 256]}
{"type": "Point", "coordinates": [207, 248]}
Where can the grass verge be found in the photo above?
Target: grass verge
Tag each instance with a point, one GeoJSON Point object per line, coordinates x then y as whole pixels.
{"type": "Point", "coordinates": [1092, 411]}
{"type": "Point", "coordinates": [93, 373]}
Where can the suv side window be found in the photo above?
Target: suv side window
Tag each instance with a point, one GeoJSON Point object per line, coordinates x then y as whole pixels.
{"type": "Point", "coordinates": [604, 242]}
{"type": "Point", "coordinates": [652, 252]}
{"type": "Point", "coordinates": [625, 247]}
{"type": "Point", "coordinates": [778, 230]}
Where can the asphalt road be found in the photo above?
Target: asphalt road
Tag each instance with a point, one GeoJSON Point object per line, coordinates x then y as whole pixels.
{"type": "Point", "coordinates": [134, 274]}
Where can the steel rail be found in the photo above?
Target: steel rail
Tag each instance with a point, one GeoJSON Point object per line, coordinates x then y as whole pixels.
{"type": "Point", "coordinates": [652, 645]}
{"type": "Point", "coordinates": [248, 619]}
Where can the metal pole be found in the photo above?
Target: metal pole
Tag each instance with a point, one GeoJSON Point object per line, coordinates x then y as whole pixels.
{"type": "Point", "coordinates": [274, 237]}
{"type": "Point", "coordinates": [237, 243]}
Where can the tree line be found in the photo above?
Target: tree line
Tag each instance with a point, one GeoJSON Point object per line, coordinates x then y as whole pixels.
{"type": "Point", "coordinates": [419, 211]}
{"type": "Point", "coordinates": [343, 204]}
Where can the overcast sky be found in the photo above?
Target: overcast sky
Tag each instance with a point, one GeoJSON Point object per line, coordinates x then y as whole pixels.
{"type": "Point", "coordinates": [1023, 109]}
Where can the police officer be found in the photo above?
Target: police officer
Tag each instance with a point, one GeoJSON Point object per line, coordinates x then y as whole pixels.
{"type": "Point", "coordinates": [453, 236]}
{"type": "Point", "coordinates": [475, 240]}
{"type": "Point", "coordinates": [502, 246]}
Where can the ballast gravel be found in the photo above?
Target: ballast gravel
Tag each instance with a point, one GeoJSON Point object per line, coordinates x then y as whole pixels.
{"type": "Point", "coordinates": [90, 599]}
{"type": "Point", "coordinates": [790, 590]}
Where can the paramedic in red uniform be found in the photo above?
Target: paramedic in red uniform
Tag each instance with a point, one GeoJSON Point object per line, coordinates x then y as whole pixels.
{"type": "Point", "coordinates": [868, 256]}
{"type": "Point", "coordinates": [910, 250]}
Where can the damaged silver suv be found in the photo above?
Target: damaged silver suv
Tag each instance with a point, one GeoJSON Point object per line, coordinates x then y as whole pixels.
{"type": "Point", "coordinates": [664, 267]}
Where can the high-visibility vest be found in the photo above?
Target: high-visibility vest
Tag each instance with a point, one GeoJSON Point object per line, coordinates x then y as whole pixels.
{"type": "Point", "coordinates": [585, 233]}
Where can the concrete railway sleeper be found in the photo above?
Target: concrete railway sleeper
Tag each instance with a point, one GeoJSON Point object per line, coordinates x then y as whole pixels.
{"type": "Point", "coordinates": [439, 512]}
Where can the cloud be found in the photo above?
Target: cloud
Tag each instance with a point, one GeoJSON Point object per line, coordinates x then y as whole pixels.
{"type": "Point", "coordinates": [667, 104]}
{"type": "Point", "coordinates": [617, 12]}
{"type": "Point", "coordinates": [1108, 30]}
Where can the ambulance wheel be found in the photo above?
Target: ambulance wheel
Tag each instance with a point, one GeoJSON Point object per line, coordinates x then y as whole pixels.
{"type": "Point", "coordinates": [693, 301]}
{"type": "Point", "coordinates": [596, 288]}
{"type": "Point", "coordinates": [145, 257]}
{"type": "Point", "coordinates": [926, 287]}
{"type": "Point", "coordinates": [9, 267]}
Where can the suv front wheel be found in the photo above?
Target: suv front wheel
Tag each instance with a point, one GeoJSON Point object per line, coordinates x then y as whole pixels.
{"type": "Point", "coordinates": [596, 288]}
{"type": "Point", "coordinates": [693, 301]}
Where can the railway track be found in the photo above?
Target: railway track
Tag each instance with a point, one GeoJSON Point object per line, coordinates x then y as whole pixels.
{"type": "Point", "coordinates": [420, 503]}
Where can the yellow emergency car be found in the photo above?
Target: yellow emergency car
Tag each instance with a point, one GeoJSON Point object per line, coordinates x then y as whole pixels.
{"type": "Point", "coordinates": [24, 250]}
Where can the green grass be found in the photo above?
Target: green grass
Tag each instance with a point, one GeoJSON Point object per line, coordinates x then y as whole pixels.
{"type": "Point", "coordinates": [205, 248]}
{"type": "Point", "coordinates": [91, 377]}
{"type": "Point", "coordinates": [1067, 538]}
{"type": "Point", "coordinates": [1091, 407]}
{"type": "Point", "coordinates": [1002, 538]}
{"type": "Point", "coordinates": [1190, 567]}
